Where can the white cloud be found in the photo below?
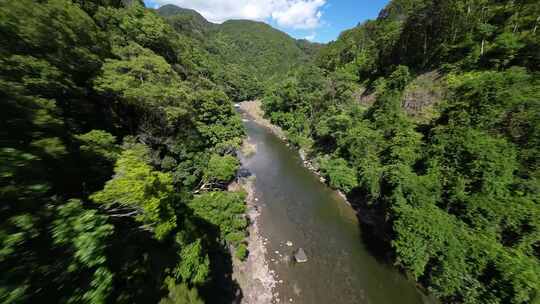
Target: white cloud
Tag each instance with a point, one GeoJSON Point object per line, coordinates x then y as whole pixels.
{"type": "Point", "coordinates": [300, 14]}
{"type": "Point", "coordinates": [297, 14]}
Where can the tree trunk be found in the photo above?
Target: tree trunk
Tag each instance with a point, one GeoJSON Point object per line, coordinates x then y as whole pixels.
{"type": "Point", "coordinates": [482, 47]}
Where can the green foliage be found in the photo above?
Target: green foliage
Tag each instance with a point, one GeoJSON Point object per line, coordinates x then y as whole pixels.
{"type": "Point", "coordinates": [98, 142]}
{"type": "Point", "coordinates": [216, 121]}
{"type": "Point", "coordinates": [241, 252]}
{"type": "Point", "coordinates": [86, 233]}
{"type": "Point", "coordinates": [76, 79]}
{"type": "Point", "coordinates": [226, 211]}
{"type": "Point", "coordinates": [181, 294]}
{"type": "Point", "coordinates": [141, 190]}
{"type": "Point", "coordinates": [429, 34]}
{"type": "Point", "coordinates": [399, 79]}
{"type": "Point", "coordinates": [194, 265]}
{"type": "Point", "coordinates": [339, 173]}
{"type": "Point", "coordinates": [145, 80]}
{"type": "Point", "coordinates": [51, 146]}
{"type": "Point", "coordinates": [221, 169]}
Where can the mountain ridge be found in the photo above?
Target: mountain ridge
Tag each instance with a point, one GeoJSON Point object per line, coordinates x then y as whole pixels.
{"type": "Point", "coordinates": [256, 48]}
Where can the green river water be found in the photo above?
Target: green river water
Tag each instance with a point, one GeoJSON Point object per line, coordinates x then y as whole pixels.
{"type": "Point", "coordinates": [295, 206]}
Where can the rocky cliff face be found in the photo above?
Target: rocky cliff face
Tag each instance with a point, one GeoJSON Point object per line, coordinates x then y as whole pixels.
{"type": "Point", "coordinates": [423, 93]}
{"type": "Point", "coordinates": [420, 96]}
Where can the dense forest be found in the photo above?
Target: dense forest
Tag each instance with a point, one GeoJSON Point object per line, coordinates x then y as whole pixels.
{"type": "Point", "coordinates": [247, 55]}
{"type": "Point", "coordinates": [428, 118]}
{"type": "Point", "coordinates": [118, 141]}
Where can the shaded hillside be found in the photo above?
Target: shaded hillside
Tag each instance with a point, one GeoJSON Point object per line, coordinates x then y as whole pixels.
{"type": "Point", "coordinates": [186, 21]}
{"type": "Point", "coordinates": [262, 49]}
{"type": "Point", "coordinates": [255, 48]}
{"type": "Point", "coordinates": [311, 49]}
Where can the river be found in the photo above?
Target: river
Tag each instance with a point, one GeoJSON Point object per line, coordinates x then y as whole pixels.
{"type": "Point", "coordinates": [295, 206]}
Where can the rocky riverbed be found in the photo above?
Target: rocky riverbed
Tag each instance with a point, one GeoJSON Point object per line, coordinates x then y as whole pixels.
{"type": "Point", "coordinates": [253, 275]}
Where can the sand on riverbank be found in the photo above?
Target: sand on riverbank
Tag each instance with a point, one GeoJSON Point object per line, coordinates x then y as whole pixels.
{"type": "Point", "coordinates": [254, 110]}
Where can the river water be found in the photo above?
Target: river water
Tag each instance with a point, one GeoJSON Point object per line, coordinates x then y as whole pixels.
{"type": "Point", "coordinates": [295, 206]}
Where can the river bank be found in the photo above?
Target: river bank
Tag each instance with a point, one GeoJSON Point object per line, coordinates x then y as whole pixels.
{"type": "Point", "coordinates": [297, 211]}
{"type": "Point", "coordinates": [253, 275]}
{"type": "Point", "coordinates": [254, 110]}
{"type": "Point", "coordinates": [368, 217]}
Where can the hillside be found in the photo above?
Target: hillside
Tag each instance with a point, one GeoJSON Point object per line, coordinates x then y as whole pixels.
{"type": "Point", "coordinates": [256, 48]}
{"type": "Point", "coordinates": [111, 127]}
{"type": "Point", "coordinates": [186, 21]}
{"type": "Point", "coordinates": [170, 10]}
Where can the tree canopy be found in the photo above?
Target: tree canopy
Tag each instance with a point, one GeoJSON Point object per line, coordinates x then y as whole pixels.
{"type": "Point", "coordinates": [111, 122]}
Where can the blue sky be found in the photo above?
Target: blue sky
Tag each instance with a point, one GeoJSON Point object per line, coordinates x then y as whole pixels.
{"type": "Point", "coordinates": [316, 20]}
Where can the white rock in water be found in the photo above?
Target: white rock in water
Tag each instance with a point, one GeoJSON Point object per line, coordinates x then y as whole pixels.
{"type": "Point", "coordinates": [289, 243]}
{"type": "Point", "coordinates": [300, 256]}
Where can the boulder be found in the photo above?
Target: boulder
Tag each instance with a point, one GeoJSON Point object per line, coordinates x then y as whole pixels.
{"type": "Point", "coordinates": [300, 256]}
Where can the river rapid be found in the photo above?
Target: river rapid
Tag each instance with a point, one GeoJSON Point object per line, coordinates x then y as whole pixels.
{"type": "Point", "coordinates": [295, 207]}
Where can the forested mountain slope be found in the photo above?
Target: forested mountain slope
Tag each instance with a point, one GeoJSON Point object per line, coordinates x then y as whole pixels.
{"type": "Point", "coordinates": [257, 46]}
{"type": "Point", "coordinates": [111, 125]}
{"type": "Point", "coordinates": [454, 195]}
{"type": "Point", "coordinates": [186, 21]}
{"type": "Point", "coordinates": [253, 52]}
